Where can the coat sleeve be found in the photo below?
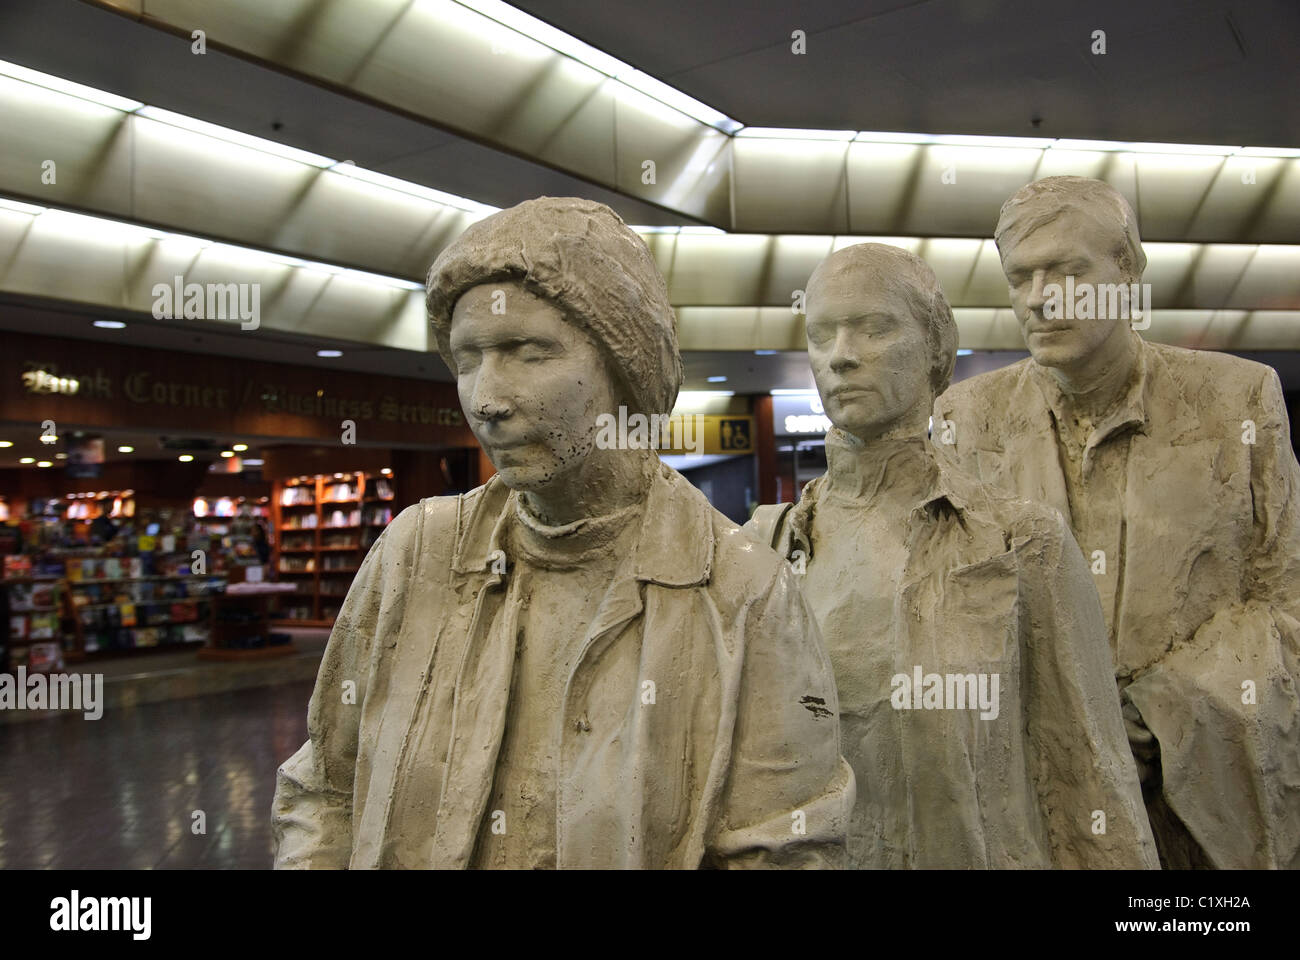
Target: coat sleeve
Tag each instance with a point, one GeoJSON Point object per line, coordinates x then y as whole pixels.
{"type": "Point", "coordinates": [1084, 771]}
{"type": "Point", "coordinates": [312, 811]}
{"type": "Point", "coordinates": [1224, 706]}
{"type": "Point", "coordinates": [789, 794]}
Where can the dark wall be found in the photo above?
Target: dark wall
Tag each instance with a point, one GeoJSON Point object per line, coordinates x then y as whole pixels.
{"type": "Point", "coordinates": [730, 486]}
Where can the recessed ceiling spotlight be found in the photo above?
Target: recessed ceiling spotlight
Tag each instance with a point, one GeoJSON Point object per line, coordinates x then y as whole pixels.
{"type": "Point", "coordinates": [44, 463]}
{"type": "Point", "coordinates": [6, 443]}
{"type": "Point", "coordinates": [239, 447]}
{"type": "Point", "coordinates": [227, 453]}
{"type": "Point", "coordinates": [27, 460]}
{"type": "Point", "coordinates": [126, 448]}
{"type": "Point", "coordinates": [184, 458]}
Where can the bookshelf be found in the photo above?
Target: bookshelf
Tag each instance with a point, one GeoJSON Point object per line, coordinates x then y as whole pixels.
{"type": "Point", "coordinates": [324, 524]}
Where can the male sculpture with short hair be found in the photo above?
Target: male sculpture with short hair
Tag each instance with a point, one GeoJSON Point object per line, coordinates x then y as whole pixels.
{"type": "Point", "coordinates": [976, 698]}
{"type": "Point", "coordinates": [1175, 470]}
{"type": "Point", "coordinates": [579, 663]}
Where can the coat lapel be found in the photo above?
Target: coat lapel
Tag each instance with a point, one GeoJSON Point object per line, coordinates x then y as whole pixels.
{"type": "Point", "coordinates": [1032, 460]}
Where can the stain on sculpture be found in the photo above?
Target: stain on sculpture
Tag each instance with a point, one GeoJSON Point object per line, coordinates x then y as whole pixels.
{"type": "Point", "coordinates": [1175, 470]}
{"type": "Point", "coordinates": [579, 663]}
{"type": "Point", "coordinates": [976, 699]}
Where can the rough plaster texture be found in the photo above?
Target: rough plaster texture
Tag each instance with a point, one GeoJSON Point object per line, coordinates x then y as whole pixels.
{"type": "Point", "coordinates": [909, 565]}
{"type": "Point", "coordinates": [581, 652]}
{"type": "Point", "coordinates": [1175, 470]}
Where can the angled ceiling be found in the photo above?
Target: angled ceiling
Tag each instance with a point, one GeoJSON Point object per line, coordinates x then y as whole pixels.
{"type": "Point", "coordinates": [1184, 71]}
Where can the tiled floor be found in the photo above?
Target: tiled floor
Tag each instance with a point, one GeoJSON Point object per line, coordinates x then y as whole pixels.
{"type": "Point", "coordinates": [120, 792]}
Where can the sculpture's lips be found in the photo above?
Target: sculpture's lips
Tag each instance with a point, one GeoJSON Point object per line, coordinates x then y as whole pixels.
{"type": "Point", "coordinates": [505, 446]}
{"type": "Point", "coordinates": [840, 393]}
{"type": "Point", "coordinates": [1049, 329]}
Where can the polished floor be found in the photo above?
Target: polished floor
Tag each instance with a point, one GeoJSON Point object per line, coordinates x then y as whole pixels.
{"type": "Point", "coordinates": [121, 791]}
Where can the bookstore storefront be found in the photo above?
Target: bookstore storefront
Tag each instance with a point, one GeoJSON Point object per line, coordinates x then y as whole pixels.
{"type": "Point", "coordinates": [152, 500]}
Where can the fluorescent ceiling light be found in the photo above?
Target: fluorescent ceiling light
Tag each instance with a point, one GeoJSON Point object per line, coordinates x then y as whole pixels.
{"type": "Point", "coordinates": [1195, 149]}
{"type": "Point", "coordinates": [716, 379]}
{"type": "Point", "coordinates": [412, 189]}
{"type": "Point", "coordinates": [1268, 152]}
{"type": "Point", "coordinates": [19, 207]}
{"type": "Point", "coordinates": [1103, 146]}
{"type": "Point", "coordinates": [109, 324]}
{"type": "Point", "coordinates": [959, 140]}
{"type": "Point", "coordinates": [398, 282]}
{"type": "Point", "coordinates": [787, 392]}
{"type": "Point", "coordinates": [674, 98]}
{"type": "Point", "coordinates": [78, 90]}
{"type": "Point", "coordinates": [561, 42]}
{"type": "Point", "coordinates": [874, 136]}
{"type": "Point", "coordinates": [964, 352]}
{"type": "Point", "coordinates": [329, 353]}
{"type": "Point", "coordinates": [234, 136]}
{"type": "Point", "coordinates": [543, 32]}
{"type": "Point", "coordinates": [102, 228]}
{"type": "Point", "coordinates": [794, 133]}
{"type": "Point", "coordinates": [703, 394]}
{"type": "Point", "coordinates": [99, 228]}
{"type": "Point", "coordinates": [764, 353]}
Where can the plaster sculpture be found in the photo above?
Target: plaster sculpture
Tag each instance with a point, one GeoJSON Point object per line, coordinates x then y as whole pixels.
{"type": "Point", "coordinates": [977, 706]}
{"type": "Point", "coordinates": [1174, 467]}
{"type": "Point", "coordinates": [579, 663]}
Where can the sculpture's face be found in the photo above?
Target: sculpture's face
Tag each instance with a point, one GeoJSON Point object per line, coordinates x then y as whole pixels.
{"type": "Point", "coordinates": [531, 383]}
{"type": "Point", "coordinates": [1070, 245]}
{"type": "Point", "coordinates": [868, 352]}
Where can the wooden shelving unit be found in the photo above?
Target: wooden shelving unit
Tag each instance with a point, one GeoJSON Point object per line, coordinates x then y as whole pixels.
{"type": "Point", "coordinates": [327, 516]}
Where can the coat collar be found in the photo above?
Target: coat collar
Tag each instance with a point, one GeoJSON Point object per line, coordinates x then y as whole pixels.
{"type": "Point", "coordinates": [674, 547]}
{"type": "Point", "coordinates": [948, 491]}
{"type": "Point", "coordinates": [1130, 411]}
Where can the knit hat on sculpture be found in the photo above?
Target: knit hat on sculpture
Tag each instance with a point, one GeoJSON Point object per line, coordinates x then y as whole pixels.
{"type": "Point", "coordinates": [581, 256]}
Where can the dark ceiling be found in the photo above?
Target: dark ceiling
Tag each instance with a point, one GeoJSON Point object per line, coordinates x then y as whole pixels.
{"type": "Point", "coordinates": [1184, 71]}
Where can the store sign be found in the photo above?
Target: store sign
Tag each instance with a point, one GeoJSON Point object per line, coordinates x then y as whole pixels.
{"type": "Point", "coordinates": [42, 381]}
{"type": "Point", "coordinates": [799, 416]}
{"type": "Point", "coordinates": [108, 385]}
{"type": "Point", "coordinates": [145, 387]}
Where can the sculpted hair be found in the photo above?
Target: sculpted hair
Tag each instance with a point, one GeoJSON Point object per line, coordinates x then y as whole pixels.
{"type": "Point", "coordinates": [1043, 201]}
{"type": "Point", "coordinates": [911, 276]}
{"type": "Point", "coordinates": [582, 257]}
